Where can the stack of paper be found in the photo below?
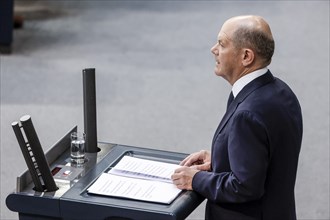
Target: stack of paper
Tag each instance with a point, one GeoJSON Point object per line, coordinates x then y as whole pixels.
{"type": "Point", "coordinates": [139, 179]}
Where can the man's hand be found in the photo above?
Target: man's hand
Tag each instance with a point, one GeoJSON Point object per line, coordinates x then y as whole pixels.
{"type": "Point", "coordinates": [200, 160]}
{"type": "Point", "coordinates": [183, 177]}
{"type": "Point", "coordinates": [192, 164]}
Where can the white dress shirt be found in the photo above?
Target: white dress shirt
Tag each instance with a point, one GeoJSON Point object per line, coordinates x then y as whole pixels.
{"type": "Point", "coordinates": [243, 81]}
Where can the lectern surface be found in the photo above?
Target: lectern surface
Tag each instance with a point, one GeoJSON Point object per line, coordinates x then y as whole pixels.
{"type": "Point", "coordinates": [72, 201]}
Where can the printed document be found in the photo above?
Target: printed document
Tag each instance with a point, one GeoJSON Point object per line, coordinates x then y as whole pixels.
{"type": "Point", "coordinates": [139, 179]}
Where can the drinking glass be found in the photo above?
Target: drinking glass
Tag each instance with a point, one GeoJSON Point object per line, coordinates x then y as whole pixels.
{"type": "Point", "coordinates": [78, 147]}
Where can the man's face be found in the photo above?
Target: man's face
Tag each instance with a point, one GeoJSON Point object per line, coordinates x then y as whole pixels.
{"type": "Point", "coordinates": [226, 55]}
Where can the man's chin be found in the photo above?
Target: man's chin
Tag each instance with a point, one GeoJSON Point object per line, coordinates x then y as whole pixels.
{"type": "Point", "coordinates": [217, 72]}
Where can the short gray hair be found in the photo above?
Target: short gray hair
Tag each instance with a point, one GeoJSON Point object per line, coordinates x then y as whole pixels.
{"type": "Point", "coordinates": [261, 43]}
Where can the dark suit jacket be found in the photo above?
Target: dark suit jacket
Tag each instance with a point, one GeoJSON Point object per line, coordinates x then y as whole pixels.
{"type": "Point", "coordinates": [255, 155]}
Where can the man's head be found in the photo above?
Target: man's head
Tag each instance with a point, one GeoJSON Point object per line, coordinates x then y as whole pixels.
{"type": "Point", "coordinates": [245, 44]}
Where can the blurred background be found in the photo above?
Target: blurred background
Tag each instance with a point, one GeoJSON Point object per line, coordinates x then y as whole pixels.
{"type": "Point", "coordinates": [155, 82]}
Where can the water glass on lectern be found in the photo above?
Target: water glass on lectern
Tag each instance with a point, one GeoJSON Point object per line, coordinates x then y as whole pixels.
{"type": "Point", "coordinates": [78, 147]}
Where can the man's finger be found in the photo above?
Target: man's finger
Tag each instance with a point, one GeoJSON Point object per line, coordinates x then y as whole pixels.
{"type": "Point", "coordinates": [205, 166]}
{"type": "Point", "coordinates": [185, 162]}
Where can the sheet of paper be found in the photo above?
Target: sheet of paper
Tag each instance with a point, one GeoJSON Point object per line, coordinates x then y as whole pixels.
{"type": "Point", "coordinates": [146, 190]}
{"type": "Point", "coordinates": [146, 169]}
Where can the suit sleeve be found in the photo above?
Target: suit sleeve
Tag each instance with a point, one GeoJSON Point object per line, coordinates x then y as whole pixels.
{"type": "Point", "coordinates": [248, 153]}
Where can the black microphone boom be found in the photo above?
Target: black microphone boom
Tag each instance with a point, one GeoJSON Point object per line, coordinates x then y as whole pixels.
{"type": "Point", "coordinates": [90, 110]}
{"type": "Point", "coordinates": [34, 155]}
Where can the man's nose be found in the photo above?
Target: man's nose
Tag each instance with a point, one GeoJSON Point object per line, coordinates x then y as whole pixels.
{"type": "Point", "coordinates": [214, 49]}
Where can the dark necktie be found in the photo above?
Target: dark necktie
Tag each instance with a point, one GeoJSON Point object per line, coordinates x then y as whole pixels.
{"type": "Point", "coordinates": [230, 99]}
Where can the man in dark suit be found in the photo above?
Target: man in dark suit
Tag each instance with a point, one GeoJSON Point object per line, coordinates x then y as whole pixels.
{"type": "Point", "coordinates": [251, 171]}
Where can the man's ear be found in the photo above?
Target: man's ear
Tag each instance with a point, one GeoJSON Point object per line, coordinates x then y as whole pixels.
{"type": "Point", "coordinates": [248, 57]}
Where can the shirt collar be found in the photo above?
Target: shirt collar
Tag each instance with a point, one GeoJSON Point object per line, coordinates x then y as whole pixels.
{"type": "Point", "coordinates": [243, 81]}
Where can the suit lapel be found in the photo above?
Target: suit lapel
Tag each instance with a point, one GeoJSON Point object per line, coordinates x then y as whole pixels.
{"type": "Point", "coordinates": [246, 91]}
